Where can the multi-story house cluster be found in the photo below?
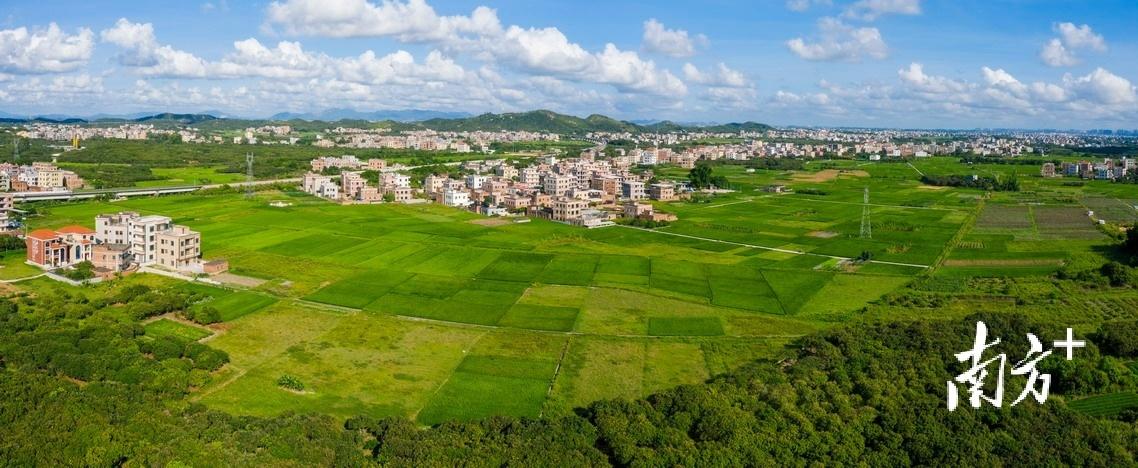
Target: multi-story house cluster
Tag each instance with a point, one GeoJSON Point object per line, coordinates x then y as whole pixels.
{"type": "Point", "coordinates": [321, 186]}
{"type": "Point", "coordinates": [149, 240]}
{"type": "Point", "coordinates": [588, 190]}
{"type": "Point", "coordinates": [425, 140]}
{"type": "Point", "coordinates": [1107, 169]}
{"type": "Point", "coordinates": [118, 242]}
{"type": "Point", "coordinates": [38, 177]}
{"type": "Point", "coordinates": [351, 186]}
{"type": "Point", "coordinates": [71, 132]}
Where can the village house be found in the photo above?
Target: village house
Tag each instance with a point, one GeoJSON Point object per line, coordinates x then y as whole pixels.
{"type": "Point", "coordinates": [351, 185]}
{"type": "Point", "coordinates": [321, 186]}
{"type": "Point", "coordinates": [568, 209]}
{"type": "Point", "coordinates": [150, 239]}
{"type": "Point", "coordinates": [434, 184]}
{"type": "Point", "coordinates": [111, 257]}
{"type": "Point", "coordinates": [506, 171]}
{"type": "Point", "coordinates": [400, 194]}
{"type": "Point", "coordinates": [607, 184]}
{"type": "Point", "coordinates": [475, 181]}
{"type": "Point", "coordinates": [557, 185]}
{"type": "Point", "coordinates": [662, 192]}
{"type": "Point", "coordinates": [456, 198]}
{"type": "Point", "coordinates": [391, 180]}
{"type": "Point", "coordinates": [179, 248]}
{"type": "Point", "coordinates": [635, 210]}
{"type": "Point", "coordinates": [6, 208]}
{"type": "Point", "coordinates": [632, 190]}
{"type": "Point", "coordinates": [515, 202]}
{"type": "Point", "coordinates": [65, 247]}
{"type": "Point", "coordinates": [540, 199]}
{"type": "Point", "coordinates": [370, 195]}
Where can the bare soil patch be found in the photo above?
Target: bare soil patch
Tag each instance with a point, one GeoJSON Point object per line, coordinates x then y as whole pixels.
{"type": "Point", "coordinates": [246, 281]}
{"type": "Point", "coordinates": [827, 175]}
{"type": "Point", "coordinates": [490, 222]}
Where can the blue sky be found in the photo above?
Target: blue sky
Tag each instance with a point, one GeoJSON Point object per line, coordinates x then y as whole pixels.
{"type": "Point", "coordinates": [889, 63]}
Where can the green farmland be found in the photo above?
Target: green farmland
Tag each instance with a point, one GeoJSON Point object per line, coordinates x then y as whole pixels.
{"type": "Point", "coordinates": [419, 311]}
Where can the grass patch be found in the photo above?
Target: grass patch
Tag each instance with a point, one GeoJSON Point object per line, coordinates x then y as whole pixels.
{"type": "Point", "coordinates": [361, 290]}
{"type": "Point", "coordinates": [239, 304]}
{"type": "Point", "coordinates": [516, 266]}
{"type": "Point", "coordinates": [684, 326]}
{"type": "Point", "coordinates": [464, 396]}
{"type": "Point", "coordinates": [167, 327]}
{"type": "Point", "coordinates": [1106, 405]}
{"type": "Point", "coordinates": [540, 317]}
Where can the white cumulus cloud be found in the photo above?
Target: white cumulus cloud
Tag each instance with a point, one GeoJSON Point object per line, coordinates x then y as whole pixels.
{"type": "Point", "coordinates": [840, 42]}
{"type": "Point", "coordinates": [41, 51]}
{"type": "Point", "coordinates": [916, 77]}
{"type": "Point", "coordinates": [1080, 37]}
{"type": "Point", "coordinates": [870, 10]}
{"type": "Point", "coordinates": [1060, 51]}
{"type": "Point", "coordinates": [672, 42]}
{"type": "Point", "coordinates": [481, 35]}
{"type": "Point", "coordinates": [803, 5]}
{"type": "Point", "coordinates": [142, 50]}
{"type": "Point", "coordinates": [1102, 87]}
{"type": "Point", "coordinates": [722, 76]}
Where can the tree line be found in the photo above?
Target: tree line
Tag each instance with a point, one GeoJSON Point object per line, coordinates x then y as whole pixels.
{"type": "Point", "coordinates": [83, 385]}
{"type": "Point", "coordinates": [994, 184]}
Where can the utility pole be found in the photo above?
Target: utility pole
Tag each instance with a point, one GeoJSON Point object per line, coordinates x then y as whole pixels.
{"type": "Point", "coordinates": [249, 175]}
{"type": "Point", "coordinates": [866, 226]}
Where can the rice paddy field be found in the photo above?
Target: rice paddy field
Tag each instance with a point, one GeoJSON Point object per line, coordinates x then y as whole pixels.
{"type": "Point", "coordinates": [421, 311]}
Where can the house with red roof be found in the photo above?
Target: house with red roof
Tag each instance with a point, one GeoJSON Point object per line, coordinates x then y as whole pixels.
{"type": "Point", "coordinates": [63, 247]}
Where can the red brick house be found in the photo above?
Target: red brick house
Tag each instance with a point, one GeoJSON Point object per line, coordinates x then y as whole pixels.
{"type": "Point", "coordinates": [61, 248]}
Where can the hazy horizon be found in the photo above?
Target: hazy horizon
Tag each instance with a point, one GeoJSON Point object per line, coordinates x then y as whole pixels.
{"type": "Point", "coordinates": [855, 63]}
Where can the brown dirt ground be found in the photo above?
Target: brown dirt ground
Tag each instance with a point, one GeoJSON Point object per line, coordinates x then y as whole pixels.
{"type": "Point", "coordinates": [827, 175]}
{"type": "Point", "coordinates": [490, 222]}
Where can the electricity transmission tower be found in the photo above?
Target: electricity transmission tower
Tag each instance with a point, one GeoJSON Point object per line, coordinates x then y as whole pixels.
{"type": "Point", "coordinates": [866, 226]}
{"type": "Point", "coordinates": [16, 151]}
{"type": "Point", "coordinates": [248, 175]}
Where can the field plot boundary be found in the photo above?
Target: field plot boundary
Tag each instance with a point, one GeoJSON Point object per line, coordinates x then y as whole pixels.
{"type": "Point", "coordinates": [772, 249]}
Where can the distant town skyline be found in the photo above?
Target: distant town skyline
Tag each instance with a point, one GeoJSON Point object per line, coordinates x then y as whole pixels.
{"type": "Point", "coordinates": [862, 63]}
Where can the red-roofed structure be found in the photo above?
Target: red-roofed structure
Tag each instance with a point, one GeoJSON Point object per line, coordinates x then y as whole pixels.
{"type": "Point", "coordinates": [75, 229]}
{"type": "Point", "coordinates": [55, 249]}
{"type": "Point", "coordinates": [43, 234]}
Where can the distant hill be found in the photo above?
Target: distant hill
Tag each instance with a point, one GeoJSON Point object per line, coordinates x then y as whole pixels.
{"type": "Point", "coordinates": [334, 115]}
{"type": "Point", "coordinates": [42, 120]}
{"type": "Point", "coordinates": [532, 121]}
{"type": "Point", "coordinates": [552, 122]}
{"type": "Point", "coordinates": [184, 119]}
{"type": "Point", "coordinates": [737, 127]}
{"type": "Point", "coordinates": [538, 121]}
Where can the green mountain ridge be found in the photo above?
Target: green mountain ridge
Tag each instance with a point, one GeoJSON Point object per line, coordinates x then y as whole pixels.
{"type": "Point", "coordinates": [552, 122]}
{"type": "Point", "coordinates": [533, 121]}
